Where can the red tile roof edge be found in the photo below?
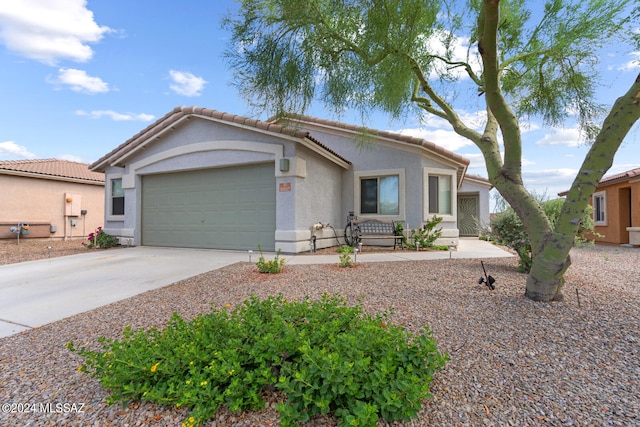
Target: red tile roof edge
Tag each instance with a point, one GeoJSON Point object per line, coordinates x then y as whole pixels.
{"type": "Point", "coordinates": [613, 179]}
{"type": "Point", "coordinates": [383, 134]}
{"type": "Point", "coordinates": [52, 168]}
{"type": "Point", "coordinates": [179, 112]}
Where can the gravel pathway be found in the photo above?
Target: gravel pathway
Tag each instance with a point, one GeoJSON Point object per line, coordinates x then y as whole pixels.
{"type": "Point", "coordinates": [513, 361]}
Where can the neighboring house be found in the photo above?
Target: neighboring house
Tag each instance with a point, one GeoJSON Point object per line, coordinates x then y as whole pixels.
{"type": "Point", "coordinates": [57, 199]}
{"type": "Point", "coordinates": [616, 208]}
{"type": "Point", "coordinates": [207, 179]}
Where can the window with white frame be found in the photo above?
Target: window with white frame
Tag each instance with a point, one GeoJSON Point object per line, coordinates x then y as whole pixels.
{"type": "Point", "coordinates": [117, 197]}
{"type": "Point", "coordinates": [600, 208]}
{"type": "Point", "coordinates": [380, 193]}
{"type": "Point", "coordinates": [440, 193]}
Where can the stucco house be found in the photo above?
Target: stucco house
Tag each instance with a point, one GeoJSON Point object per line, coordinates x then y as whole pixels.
{"type": "Point", "coordinates": [616, 208]}
{"type": "Point", "coordinates": [203, 178]}
{"type": "Point", "coordinates": [55, 199]}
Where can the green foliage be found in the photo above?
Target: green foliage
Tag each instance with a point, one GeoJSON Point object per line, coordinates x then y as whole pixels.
{"type": "Point", "coordinates": [507, 229]}
{"type": "Point", "coordinates": [273, 267]}
{"type": "Point", "coordinates": [325, 356]}
{"type": "Point", "coordinates": [345, 252]}
{"type": "Point", "coordinates": [425, 236]}
{"type": "Point", "coordinates": [345, 249]}
{"type": "Point", "coordinates": [100, 239]}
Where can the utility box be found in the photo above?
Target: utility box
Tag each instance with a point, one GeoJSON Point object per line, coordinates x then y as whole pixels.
{"type": "Point", "coordinates": [72, 204]}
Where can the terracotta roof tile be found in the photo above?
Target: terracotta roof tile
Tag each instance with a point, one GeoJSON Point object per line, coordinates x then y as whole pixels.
{"type": "Point", "coordinates": [51, 168]}
{"type": "Point", "coordinates": [178, 113]}
{"type": "Point", "coordinates": [383, 134]}
{"type": "Point", "coordinates": [620, 177]}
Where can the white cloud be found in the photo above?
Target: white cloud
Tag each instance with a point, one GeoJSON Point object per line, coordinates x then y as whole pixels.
{"type": "Point", "coordinates": [49, 30]}
{"type": "Point", "coordinates": [634, 64]}
{"type": "Point", "coordinates": [551, 181]}
{"type": "Point", "coordinates": [80, 81]}
{"type": "Point", "coordinates": [444, 138]}
{"type": "Point", "coordinates": [570, 137]}
{"type": "Point", "coordinates": [459, 49]}
{"type": "Point", "coordinates": [118, 117]}
{"type": "Point", "coordinates": [70, 157]}
{"type": "Point", "coordinates": [11, 149]}
{"type": "Point", "coordinates": [187, 84]}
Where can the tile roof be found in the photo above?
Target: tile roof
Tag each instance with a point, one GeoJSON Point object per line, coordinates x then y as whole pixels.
{"type": "Point", "coordinates": [379, 133]}
{"type": "Point", "coordinates": [51, 169]}
{"type": "Point", "coordinates": [620, 177]}
{"type": "Point", "coordinates": [478, 178]}
{"type": "Point", "coordinates": [178, 113]}
{"type": "Point", "coordinates": [613, 179]}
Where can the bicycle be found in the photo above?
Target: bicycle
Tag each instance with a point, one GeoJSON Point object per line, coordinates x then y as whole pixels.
{"type": "Point", "coordinates": [351, 237]}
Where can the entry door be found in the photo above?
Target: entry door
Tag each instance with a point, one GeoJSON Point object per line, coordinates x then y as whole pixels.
{"type": "Point", "coordinates": [468, 214]}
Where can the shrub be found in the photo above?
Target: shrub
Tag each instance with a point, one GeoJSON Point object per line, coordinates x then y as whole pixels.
{"type": "Point", "coordinates": [345, 252]}
{"type": "Point", "coordinates": [325, 356]}
{"type": "Point", "coordinates": [272, 267]}
{"type": "Point", "coordinates": [100, 239]}
{"type": "Point", "coordinates": [426, 235]}
{"type": "Point", "coordinates": [506, 229]}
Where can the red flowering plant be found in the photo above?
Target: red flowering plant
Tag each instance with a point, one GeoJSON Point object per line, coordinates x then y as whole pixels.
{"type": "Point", "coordinates": [100, 239]}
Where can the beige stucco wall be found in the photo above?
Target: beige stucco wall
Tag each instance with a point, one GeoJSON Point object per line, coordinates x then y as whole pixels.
{"type": "Point", "coordinates": [41, 202]}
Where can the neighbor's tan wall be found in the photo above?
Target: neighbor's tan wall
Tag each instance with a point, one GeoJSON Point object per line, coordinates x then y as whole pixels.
{"type": "Point", "coordinates": [615, 232]}
{"type": "Point", "coordinates": [34, 200]}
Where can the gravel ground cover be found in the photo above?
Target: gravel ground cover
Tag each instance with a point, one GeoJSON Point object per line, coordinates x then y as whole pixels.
{"type": "Point", "coordinates": [29, 250]}
{"type": "Point", "coordinates": [513, 361]}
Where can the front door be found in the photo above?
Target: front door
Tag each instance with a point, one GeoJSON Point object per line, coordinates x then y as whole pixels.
{"type": "Point", "coordinates": [468, 214]}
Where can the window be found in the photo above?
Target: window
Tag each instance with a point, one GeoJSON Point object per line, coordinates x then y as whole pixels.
{"type": "Point", "coordinates": [440, 194]}
{"type": "Point", "coordinates": [380, 192]}
{"type": "Point", "coordinates": [117, 197]}
{"type": "Point", "coordinates": [380, 195]}
{"type": "Point", "coordinates": [439, 186]}
{"type": "Point", "coordinates": [600, 208]}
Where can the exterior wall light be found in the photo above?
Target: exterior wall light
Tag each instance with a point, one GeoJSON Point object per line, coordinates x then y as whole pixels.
{"type": "Point", "coordinates": [284, 165]}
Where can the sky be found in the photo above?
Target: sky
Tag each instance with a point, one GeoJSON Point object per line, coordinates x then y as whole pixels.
{"type": "Point", "coordinates": [78, 78]}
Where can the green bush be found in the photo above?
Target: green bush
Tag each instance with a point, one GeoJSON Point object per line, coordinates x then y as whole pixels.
{"type": "Point", "coordinates": [345, 252]}
{"type": "Point", "coordinates": [506, 229]}
{"type": "Point", "coordinates": [325, 356]}
{"type": "Point", "coordinates": [275, 266]}
{"type": "Point", "coordinates": [100, 239]}
{"type": "Point", "coordinates": [426, 235]}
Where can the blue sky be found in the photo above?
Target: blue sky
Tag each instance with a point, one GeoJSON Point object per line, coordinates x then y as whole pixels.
{"type": "Point", "coordinates": [78, 78]}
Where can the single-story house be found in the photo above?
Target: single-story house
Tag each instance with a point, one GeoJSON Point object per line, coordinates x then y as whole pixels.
{"type": "Point", "coordinates": [616, 208]}
{"type": "Point", "coordinates": [49, 198]}
{"type": "Point", "coordinates": [207, 179]}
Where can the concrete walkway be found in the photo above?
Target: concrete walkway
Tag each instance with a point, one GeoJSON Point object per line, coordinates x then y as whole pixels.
{"type": "Point", "coordinates": [35, 293]}
{"type": "Point", "coordinates": [467, 248]}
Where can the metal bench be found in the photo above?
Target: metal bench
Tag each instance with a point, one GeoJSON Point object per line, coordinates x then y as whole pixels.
{"type": "Point", "coordinates": [377, 229]}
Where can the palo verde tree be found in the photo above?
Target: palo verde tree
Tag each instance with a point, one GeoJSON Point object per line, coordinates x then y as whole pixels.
{"type": "Point", "coordinates": [535, 59]}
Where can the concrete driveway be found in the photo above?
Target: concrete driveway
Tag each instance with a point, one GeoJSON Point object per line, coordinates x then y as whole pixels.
{"type": "Point", "coordinates": [35, 293]}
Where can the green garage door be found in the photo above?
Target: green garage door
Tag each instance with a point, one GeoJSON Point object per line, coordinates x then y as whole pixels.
{"type": "Point", "coordinates": [227, 208]}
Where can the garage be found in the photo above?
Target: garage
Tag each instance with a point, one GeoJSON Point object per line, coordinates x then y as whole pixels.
{"type": "Point", "coordinates": [224, 208]}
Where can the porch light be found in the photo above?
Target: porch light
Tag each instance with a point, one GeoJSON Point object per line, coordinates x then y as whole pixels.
{"type": "Point", "coordinates": [284, 165]}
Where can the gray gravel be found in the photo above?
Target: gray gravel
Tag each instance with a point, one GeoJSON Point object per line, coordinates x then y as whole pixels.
{"type": "Point", "coordinates": [513, 361]}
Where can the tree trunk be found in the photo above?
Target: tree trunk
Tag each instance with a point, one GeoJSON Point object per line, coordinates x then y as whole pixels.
{"type": "Point", "coordinates": [546, 278]}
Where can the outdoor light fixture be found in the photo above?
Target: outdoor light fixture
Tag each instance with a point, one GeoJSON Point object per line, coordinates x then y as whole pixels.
{"type": "Point", "coordinates": [250, 252]}
{"type": "Point", "coordinates": [284, 165]}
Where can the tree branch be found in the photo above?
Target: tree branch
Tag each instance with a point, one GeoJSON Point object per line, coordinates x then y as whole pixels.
{"type": "Point", "coordinates": [488, 22]}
